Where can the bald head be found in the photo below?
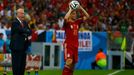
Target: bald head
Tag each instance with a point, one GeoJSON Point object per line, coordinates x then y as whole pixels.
{"type": "Point", "coordinates": [20, 13]}
{"type": "Point", "coordinates": [20, 10]}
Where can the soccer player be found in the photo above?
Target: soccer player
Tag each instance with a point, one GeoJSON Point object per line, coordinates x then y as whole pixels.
{"type": "Point", "coordinates": [71, 27]}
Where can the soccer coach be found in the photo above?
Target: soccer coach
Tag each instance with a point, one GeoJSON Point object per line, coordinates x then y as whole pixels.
{"type": "Point", "coordinates": [20, 33]}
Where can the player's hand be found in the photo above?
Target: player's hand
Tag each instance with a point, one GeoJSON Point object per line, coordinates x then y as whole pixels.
{"type": "Point", "coordinates": [70, 7]}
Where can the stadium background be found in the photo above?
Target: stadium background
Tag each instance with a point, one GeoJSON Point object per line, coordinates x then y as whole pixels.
{"type": "Point", "coordinates": [111, 21]}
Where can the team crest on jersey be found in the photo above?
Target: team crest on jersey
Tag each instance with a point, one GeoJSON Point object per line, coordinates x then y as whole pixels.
{"type": "Point", "coordinates": [68, 55]}
{"type": "Point", "coordinates": [71, 26]}
{"type": "Point", "coordinates": [74, 26]}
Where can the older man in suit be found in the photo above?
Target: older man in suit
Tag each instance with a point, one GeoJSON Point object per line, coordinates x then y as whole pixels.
{"type": "Point", "coordinates": [20, 33]}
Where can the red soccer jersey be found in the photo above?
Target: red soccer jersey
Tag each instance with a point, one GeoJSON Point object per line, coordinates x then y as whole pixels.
{"type": "Point", "coordinates": [71, 33]}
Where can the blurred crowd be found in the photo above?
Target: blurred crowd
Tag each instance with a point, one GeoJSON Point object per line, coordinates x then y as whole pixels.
{"type": "Point", "coordinates": [105, 15]}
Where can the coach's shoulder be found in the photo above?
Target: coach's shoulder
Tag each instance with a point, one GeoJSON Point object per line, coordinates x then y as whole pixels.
{"type": "Point", "coordinates": [15, 20]}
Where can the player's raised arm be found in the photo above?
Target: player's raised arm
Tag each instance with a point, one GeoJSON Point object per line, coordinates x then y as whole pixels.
{"type": "Point", "coordinates": [68, 13]}
{"type": "Point", "coordinates": [85, 13]}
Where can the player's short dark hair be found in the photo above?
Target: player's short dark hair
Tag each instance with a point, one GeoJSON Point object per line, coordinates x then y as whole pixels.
{"type": "Point", "coordinates": [100, 50]}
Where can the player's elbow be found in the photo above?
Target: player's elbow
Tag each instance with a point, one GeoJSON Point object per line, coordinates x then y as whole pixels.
{"type": "Point", "coordinates": [87, 16]}
{"type": "Point", "coordinates": [65, 18]}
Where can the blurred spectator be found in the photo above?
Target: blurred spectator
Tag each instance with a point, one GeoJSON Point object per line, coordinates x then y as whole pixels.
{"type": "Point", "coordinates": [41, 26]}
{"type": "Point", "coordinates": [55, 26]}
{"type": "Point", "coordinates": [7, 26]}
{"type": "Point", "coordinates": [50, 11]}
{"type": "Point", "coordinates": [82, 28]}
{"type": "Point", "coordinates": [106, 15]}
{"type": "Point", "coordinates": [3, 31]}
{"type": "Point", "coordinates": [61, 22]}
{"type": "Point", "coordinates": [7, 43]}
{"type": "Point", "coordinates": [1, 43]}
{"type": "Point", "coordinates": [123, 25]}
{"type": "Point", "coordinates": [34, 33]}
{"type": "Point", "coordinates": [131, 28]}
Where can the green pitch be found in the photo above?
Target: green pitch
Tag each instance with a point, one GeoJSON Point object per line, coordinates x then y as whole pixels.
{"type": "Point", "coordinates": [84, 72]}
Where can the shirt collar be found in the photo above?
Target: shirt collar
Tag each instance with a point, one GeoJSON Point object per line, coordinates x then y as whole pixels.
{"type": "Point", "coordinates": [19, 20]}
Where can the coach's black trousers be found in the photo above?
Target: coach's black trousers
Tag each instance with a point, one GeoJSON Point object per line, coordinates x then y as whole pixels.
{"type": "Point", "coordinates": [18, 62]}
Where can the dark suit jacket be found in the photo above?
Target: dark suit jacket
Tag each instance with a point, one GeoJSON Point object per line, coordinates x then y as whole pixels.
{"type": "Point", "coordinates": [19, 36]}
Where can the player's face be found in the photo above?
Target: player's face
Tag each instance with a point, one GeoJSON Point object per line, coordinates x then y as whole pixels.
{"type": "Point", "coordinates": [73, 15]}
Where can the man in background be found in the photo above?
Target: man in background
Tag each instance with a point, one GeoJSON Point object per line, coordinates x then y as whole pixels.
{"type": "Point", "coordinates": [100, 60]}
{"type": "Point", "coordinates": [1, 43]}
{"type": "Point", "coordinates": [20, 41]}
